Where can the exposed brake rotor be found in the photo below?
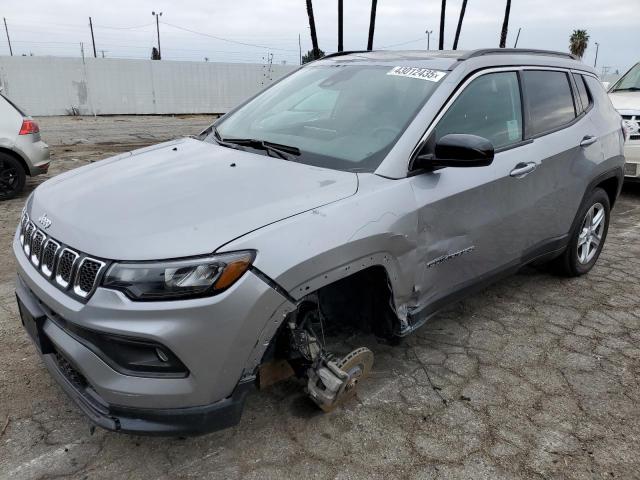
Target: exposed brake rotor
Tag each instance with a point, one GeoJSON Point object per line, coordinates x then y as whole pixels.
{"type": "Point", "coordinates": [336, 382]}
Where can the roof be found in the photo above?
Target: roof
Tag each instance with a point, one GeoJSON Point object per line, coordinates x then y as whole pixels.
{"type": "Point", "coordinates": [442, 59]}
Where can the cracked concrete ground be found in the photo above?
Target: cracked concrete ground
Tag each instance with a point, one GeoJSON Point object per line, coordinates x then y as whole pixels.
{"type": "Point", "coordinates": [535, 377]}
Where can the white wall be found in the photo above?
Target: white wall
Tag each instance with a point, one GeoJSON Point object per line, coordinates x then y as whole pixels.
{"type": "Point", "coordinates": [45, 86]}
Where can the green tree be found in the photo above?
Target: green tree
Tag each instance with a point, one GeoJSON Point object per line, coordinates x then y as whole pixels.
{"type": "Point", "coordinates": [309, 57]}
{"type": "Point", "coordinates": [578, 42]}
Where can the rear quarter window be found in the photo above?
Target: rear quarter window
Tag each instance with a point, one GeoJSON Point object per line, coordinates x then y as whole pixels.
{"type": "Point", "coordinates": [582, 92]}
{"type": "Point", "coordinates": [548, 99]}
{"type": "Point", "coordinates": [597, 90]}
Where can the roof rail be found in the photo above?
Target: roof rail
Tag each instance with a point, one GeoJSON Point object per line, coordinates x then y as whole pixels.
{"type": "Point", "coordinates": [338, 54]}
{"type": "Point", "coordinates": [515, 51]}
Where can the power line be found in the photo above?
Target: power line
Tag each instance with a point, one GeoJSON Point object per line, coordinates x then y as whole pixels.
{"type": "Point", "coordinates": [226, 39]}
{"type": "Point", "coordinates": [421, 39]}
{"type": "Point", "coordinates": [125, 28]}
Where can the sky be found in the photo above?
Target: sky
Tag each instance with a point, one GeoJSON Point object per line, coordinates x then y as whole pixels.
{"type": "Point", "coordinates": [252, 30]}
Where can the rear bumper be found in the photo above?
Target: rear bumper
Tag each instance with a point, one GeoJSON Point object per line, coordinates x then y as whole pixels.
{"type": "Point", "coordinates": [35, 154]}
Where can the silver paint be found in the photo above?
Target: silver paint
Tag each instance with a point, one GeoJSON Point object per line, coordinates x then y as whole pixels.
{"type": "Point", "coordinates": [310, 227]}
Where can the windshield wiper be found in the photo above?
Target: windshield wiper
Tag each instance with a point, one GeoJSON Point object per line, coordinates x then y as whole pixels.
{"type": "Point", "coordinates": [221, 141]}
{"type": "Point", "coordinates": [282, 151]}
{"type": "Point", "coordinates": [628, 89]}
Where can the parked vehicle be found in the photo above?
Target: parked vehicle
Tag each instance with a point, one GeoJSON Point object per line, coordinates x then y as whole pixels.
{"type": "Point", "coordinates": [625, 96]}
{"type": "Point", "coordinates": [366, 191]}
{"type": "Point", "coordinates": [22, 152]}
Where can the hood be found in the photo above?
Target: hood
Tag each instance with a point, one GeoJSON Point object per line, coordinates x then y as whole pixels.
{"type": "Point", "coordinates": [627, 103]}
{"type": "Point", "coordinates": [179, 199]}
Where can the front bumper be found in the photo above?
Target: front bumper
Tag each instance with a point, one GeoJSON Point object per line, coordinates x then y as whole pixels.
{"type": "Point", "coordinates": [214, 338]}
{"type": "Point", "coordinates": [632, 159]}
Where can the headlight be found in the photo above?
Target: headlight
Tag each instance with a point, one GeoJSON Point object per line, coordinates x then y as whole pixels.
{"type": "Point", "coordinates": [170, 280]}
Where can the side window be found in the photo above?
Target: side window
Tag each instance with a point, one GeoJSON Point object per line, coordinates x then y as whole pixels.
{"type": "Point", "coordinates": [596, 89]}
{"type": "Point", "coordinates": [582, 92]}
{"type": "Point", "coordinates": [488, 107]}
{"type": "Point", "coordinates": [549, 100]}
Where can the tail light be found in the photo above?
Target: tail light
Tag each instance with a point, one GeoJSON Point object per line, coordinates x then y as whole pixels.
{"type": "Point", "coordinates": [29, 126]}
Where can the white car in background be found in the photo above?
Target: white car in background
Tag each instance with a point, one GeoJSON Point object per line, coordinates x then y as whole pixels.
{"type": "Point", "coordinates": [625, 96]}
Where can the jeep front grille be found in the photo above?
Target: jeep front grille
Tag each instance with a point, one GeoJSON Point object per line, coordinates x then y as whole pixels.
{"type": "Point", "coordinates": [633, 122]}
{"type": "Point", "coordinates": [88, 271]}
{"type": "Point", "coordinates": [68, 269]}
{"type": "Point", "coordinates": [49, 253]}
{"type": "Point", "coordinates": [64, 270]}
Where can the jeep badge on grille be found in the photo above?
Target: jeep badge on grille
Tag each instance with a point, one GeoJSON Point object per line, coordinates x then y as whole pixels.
{"type": "Point", "coordinates": [44, 221]}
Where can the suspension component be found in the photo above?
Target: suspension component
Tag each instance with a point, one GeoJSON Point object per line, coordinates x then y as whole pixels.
{"type": "Point", "coordinates": [332, 383]}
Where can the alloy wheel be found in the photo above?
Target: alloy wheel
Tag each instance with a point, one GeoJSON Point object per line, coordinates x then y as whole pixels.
{"type": "Point", "coordinates": [591, 233]}
{"type": "Point", "coordinates": [8, 178]}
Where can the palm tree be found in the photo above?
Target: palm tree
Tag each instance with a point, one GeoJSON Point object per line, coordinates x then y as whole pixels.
{"type": "Point", "coordinates": [443, 8]}
{"type": "Point", "coordinates": [372, 24]}
{"type": "Point", "coordinates": [578, 42]}
{"type": "Point", "coordinates": [505, 25]}
{"type": "Point", "coordinates": [462, 10]}
{"type": "Point", "coordinates": [309, 57]}
{"type": "Point", "coordinates": [312, 26]}
{"type": "Point", "coordinates": [340, 24]}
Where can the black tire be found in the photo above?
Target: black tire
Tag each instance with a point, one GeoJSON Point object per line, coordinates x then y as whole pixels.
{"type": "Point", "coordinates": [573, 262]}
{"type": "Point", "coordinates": [12, 177]}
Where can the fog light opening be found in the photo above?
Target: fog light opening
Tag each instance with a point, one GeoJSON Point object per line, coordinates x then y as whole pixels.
{"type": "Point", "coordinates": [161, 355]}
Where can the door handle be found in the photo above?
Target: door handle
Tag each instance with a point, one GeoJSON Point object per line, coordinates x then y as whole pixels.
{"type": "Point", "coordinates": [588, 140]}
{"type": "Point", "coordinates": [522, 169]}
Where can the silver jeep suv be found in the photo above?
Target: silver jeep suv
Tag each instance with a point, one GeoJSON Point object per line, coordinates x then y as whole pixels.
{"type": "Point", "coordinates": [364, 192]}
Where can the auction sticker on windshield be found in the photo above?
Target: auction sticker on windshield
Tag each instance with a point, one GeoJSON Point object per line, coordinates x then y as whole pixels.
{"type": "Point", "coordinates": [416, 72]}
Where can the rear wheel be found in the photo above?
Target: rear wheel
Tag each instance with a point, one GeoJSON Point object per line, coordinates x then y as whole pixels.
{"type": "Point", "coordinates": [12, 177]}
{"type": "Point", "coordinates": [588, 236]}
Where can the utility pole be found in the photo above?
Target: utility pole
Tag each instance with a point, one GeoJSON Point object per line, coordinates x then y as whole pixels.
{"type": "Point", "coordinates": [8, 39]}
{"type": "Point", "coordinates": [428, 32]}
{"type": "Point", "coordinates": [103, 52]}
{"type": "Point", "coordinates": [300, 49]}
{"type": "Point", "coordinates": [158, 15]}
{"type": "Point", "coordinates": [82, 51]}
{"type": "Point", "coordinates": [596, 60]}
{"type": "Point", "coordinates": [515, 45]}
{"type": "Point", "coordinates": [93, 40]}
{"type": "Point", "coordinates": [340, 25]}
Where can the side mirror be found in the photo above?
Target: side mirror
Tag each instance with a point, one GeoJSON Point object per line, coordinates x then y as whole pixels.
{"type": "Point", "coordinates": [457, 150]}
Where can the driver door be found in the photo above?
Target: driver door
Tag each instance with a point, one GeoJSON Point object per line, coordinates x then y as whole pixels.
{"type": "Point", "coordinates": [471, 221]}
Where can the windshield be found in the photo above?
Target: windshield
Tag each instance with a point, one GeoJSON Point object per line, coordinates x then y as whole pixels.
{"type": "Point", "coordinates": [630, 80]}
{"type": "Point", "coordinates": [344, 117]}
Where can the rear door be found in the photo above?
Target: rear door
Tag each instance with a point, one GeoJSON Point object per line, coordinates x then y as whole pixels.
{"type": "Point", "coordinates": [566, 147]}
